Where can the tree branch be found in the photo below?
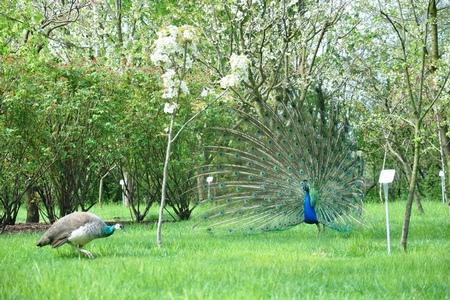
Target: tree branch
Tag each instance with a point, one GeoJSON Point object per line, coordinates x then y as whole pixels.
{"type": "Point", "coordinates": [195, 115]}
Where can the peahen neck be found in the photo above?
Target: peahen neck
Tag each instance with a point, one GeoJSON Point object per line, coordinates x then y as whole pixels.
{"type": "Point", "coordinates": [108, 230]}
{"type": "Point", "coordinates": [309, 212]}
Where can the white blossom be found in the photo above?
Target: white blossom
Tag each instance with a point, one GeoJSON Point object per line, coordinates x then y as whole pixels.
{"type": "Point", "coordinates": [169, 84]}
{"type": "Point", "coordinates": [188, 62]}
{"type": "Point", "coordinates": [239, 71]}
{"type": "Point", "coordinates": [239, 63]}
{"type": "Point", "coordinates": [184, 88]}
{"type": "Point", "coordinates": [172, 85]}
{"type": "Point", "coordinates": [230, 80]}
{"type": "Point", "coordinates": [169, 48]}
{"type": "Point", "coordinates": [187, 34]}
{"type": "Point", "coordinates": [173, 30]}
{"type": "Point", "coordinates": [165, 46]}
{"type": "Point", "coordinates": [158, 58]}
{"type": "Point", "coordinates": [169, 108]}
{"type": "Point", "coordinates": [170, 93]}
{"type": "Point", "coordinates": [170, 73]}
{"type": "Point", "coordinates": [205, 92]}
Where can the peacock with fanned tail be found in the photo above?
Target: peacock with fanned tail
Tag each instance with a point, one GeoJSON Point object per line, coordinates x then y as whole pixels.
{"type": "Point", "coordinates": [282, 169]}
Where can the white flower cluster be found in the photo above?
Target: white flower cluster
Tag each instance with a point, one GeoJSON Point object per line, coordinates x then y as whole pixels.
{"type": "Point", "coordinates": [239, 71]}
{"type": "Point", "coordinates": [206, 92]}
{"type": "Point", "coordinates": [239, 64]}
{"type": "Point", "coordinates": [165, 46]}
{"type": "Point", "coordinates": [187, 34]}
{"type": "Point", "coordinates": [172, 85]}
{"type": "Point", "coordinates": [230, 80]}
{"type": "Point", "coordinates": [170, 44]}
{"type": "Point", "coordinates": [169, 108]}
{"type": "Point", "coordinates": [173, 50]}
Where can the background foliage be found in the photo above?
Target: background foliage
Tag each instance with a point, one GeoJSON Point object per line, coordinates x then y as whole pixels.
{"type": "Point", "coordinates": [79, 97]}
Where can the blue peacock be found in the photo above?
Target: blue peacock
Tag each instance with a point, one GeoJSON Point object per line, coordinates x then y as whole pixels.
{"type": "Point", "coordinates": [77, 229]}
{"type": "Point", "coordinates": [284, 167]}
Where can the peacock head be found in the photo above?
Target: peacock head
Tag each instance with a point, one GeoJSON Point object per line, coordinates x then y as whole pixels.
{"type": "Point", "coordinates": [305, 185]}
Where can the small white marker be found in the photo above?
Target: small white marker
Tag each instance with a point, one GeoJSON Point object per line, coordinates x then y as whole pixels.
{"type": "Point", "coordinates": [386, 177]}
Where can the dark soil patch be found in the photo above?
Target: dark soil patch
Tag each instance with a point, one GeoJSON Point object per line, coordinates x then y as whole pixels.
{"type": "Point", "coordinates": [23, 227]}
{"type": "Point", "coordinates": [39, 227]}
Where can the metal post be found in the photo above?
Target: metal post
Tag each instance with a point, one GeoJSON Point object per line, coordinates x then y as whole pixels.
{"type": "Point", "coordinates": [388, 234]}
{"type": "Point", "coordinates": [209, 180]}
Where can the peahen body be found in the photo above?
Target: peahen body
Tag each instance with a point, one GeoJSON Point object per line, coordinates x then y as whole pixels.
{"type": "Point", "coordinates": [282, 169]}
{"type": "Point", "coordinates": [77, 229]}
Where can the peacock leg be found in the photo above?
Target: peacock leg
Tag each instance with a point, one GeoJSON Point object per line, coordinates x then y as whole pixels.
{"type": "Point", "coordinates": [318, 228]}
{"type": "Point", "coordinates": [85, 252]}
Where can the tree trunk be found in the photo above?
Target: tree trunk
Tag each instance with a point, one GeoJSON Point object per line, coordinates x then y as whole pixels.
{"type": "Point", "coordinates": [445, 144]}
{"type": "Point", "coordinates": [119, 24]}
{"type": "Point", "coordinates": [164, 183]}
{"type": "Point", "coordinates": [419, 202]}
{"type": "Point", "coordinates": [32, 207]}
{"type": "Point", "coordinates": [407, 169]}
{"type": "Point", "coordinates": [443, 128]}
{"type": "Point", "coordinates": [434, 36]}
{"type": "Point", "coordinates": [411, 190]}
{"type": "Point", "coordinates": [200, 187]}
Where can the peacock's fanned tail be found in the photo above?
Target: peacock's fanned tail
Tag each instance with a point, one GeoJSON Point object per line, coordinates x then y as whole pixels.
{"type": "Point", "coordinates": [257, 174]}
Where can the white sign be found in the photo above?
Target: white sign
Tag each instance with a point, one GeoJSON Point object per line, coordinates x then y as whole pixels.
{"type": "Point", "coordinates": [386, 176]}
{"type": "Point", "coordinates": [209, 179]}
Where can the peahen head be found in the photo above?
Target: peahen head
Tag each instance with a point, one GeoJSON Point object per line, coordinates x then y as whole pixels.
{"type": "Point", "coordinates": [109, 229]}
{"type": "Point", "coordinates": [118, 226]}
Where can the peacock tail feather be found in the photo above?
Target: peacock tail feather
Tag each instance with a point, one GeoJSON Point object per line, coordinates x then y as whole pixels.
{"type": "Point", "coordinates": [258, 173]}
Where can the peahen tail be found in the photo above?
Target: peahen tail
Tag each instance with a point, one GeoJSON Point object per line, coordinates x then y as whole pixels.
{"type": "Point", "coordinates": [257, 173]}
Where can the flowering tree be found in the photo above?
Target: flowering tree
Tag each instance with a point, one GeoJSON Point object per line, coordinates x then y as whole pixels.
{"type": "Point", "coordinates": [285, 42]}
{"type": "Point", "coordinates": [404, 77]}
{"type": "Point", "coordinates": [174, 52]}
{"type": "Point", "coordinates": [113, 32]}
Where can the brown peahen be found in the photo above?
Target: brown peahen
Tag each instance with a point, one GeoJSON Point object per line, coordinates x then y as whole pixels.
{"type": "Point", "coordinates": [77, 229]}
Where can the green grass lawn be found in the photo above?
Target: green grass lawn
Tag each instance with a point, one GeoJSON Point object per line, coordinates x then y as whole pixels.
{"type": "Point", "coordinates": [291, 264]}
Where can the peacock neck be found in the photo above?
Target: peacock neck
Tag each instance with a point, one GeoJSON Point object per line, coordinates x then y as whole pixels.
{"type": "Point", "coordinates": [308, 209]}
{"type": "Point", "coordinates": [307, 201]}
{"type": "Point", "coordinates": [108, 230]}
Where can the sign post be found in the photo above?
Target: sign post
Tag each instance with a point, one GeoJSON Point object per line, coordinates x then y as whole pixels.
{"type": "Point", "coordinates": [386, 177]}
{"type": "Point", "coordinates": [209, 180]}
